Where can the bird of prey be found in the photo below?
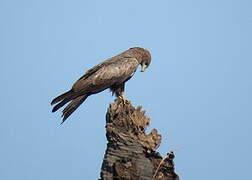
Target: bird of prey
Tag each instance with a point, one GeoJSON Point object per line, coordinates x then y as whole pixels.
{"type": "Point", "coordinates": [111, 73]}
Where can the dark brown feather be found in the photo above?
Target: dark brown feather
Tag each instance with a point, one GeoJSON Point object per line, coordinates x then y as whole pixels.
{"type": "Point", "coordinates": [72, 106]}
{"type": "Point", "coordinates": [60, 104]}
{"type": "Point", "coordinates": [61, 97]}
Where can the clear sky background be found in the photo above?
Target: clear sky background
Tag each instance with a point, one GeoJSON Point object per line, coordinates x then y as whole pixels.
{"type": "Point", "coordinates": [197, 89]}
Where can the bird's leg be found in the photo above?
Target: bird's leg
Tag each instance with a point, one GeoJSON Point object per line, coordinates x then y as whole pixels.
{"type": "Point", "coordinates": [118, 90]}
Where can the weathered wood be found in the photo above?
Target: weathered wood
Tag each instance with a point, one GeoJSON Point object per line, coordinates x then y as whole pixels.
{"type": "Point", "coordinates": [130, 153]}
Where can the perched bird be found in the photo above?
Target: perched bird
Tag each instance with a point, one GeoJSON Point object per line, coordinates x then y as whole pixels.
{"type": "Point", "coordinates": [111, 73]}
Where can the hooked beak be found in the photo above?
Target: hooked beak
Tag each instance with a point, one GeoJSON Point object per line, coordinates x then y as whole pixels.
{"type": "Point", "coordinates": [143, 67]}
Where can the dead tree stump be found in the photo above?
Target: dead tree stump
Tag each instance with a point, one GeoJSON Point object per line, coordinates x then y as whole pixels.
{"type": "Point", "coordinates": [130, 153]}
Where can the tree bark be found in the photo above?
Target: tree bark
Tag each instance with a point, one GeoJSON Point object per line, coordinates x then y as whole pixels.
{"type": "Point", "coordinates": [130, 153]}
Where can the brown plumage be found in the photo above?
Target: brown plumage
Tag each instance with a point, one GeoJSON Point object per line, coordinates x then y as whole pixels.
{"type": "Point", "coordinates": [111, 73]}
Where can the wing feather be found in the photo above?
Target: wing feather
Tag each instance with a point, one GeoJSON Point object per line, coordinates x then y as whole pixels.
{"type": "Point", "coordinates": [102, 64]}
{"type": "Point", "coordinates": [108, 74]}
{"type": "Point", "coordinates": [117, 72]}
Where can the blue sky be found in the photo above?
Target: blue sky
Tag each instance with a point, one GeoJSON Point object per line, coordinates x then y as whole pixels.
{"type": "Point", "coordinates": [197, 89]}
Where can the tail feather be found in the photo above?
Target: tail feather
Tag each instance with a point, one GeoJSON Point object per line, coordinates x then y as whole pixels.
{"type": "Point", "coordinates": [72, 106]}
{"type": "Point", "coordinates": [61, 97]}
{"type": "Point", "coordinates": [59, 105]}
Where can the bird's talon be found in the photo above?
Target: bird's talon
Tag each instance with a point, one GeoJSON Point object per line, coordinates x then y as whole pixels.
{"type": "Point", "coordinates": [124, 100]}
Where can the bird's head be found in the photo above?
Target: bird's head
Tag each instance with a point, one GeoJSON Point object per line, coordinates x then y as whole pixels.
{"type": "Point", "coordinates": [143, 56]}
{"type": "Point", "coordinates": [146, 60]}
